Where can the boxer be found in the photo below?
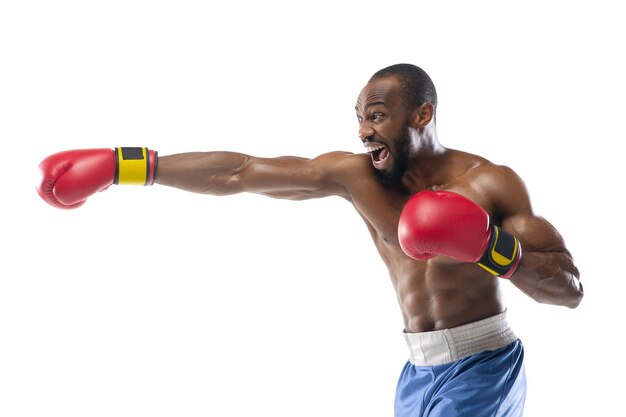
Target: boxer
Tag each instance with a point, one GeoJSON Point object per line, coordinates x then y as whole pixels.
{"type": "Point", "coordinates": [450, 226]}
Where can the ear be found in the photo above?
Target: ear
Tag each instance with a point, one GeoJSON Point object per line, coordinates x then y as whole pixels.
{"type": "Point", "coordinates": [423, 115]}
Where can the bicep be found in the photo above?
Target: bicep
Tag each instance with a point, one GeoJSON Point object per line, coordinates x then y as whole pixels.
{"type": "Point", "coordinates": [535, 233]}
{"type": "Point", "coordinates": [514, 209]}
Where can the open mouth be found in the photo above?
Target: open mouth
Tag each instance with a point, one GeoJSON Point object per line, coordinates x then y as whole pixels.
{"type": "Point", "coordinates": [379, 153]}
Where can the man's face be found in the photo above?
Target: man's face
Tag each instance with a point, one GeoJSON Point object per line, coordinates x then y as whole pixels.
{"type": "Point", "coordinates": [384, 127]}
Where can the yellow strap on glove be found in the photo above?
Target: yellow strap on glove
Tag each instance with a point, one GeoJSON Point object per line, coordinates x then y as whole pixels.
{"type": "Point", "coordinates": [136, 166]}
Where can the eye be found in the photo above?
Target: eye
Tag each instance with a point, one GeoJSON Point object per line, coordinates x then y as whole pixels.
{"type": "Point", "coordinates": [359, 119]}
{"type": "Point", "coordinates": [377, 116]}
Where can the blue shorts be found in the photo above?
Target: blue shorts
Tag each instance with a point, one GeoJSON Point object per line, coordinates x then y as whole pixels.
{"type": "Point", "coordinates": [491, 383]}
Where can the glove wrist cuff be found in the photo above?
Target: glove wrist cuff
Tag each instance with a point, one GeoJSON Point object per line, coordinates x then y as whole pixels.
{"type": "Point", "coordinates": [503, 253]}
{"type": "Point", "coordinates": [135, 166]}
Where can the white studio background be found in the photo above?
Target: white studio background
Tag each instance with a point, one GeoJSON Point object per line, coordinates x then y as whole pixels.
{"type": "Point", "coordinates": [155, 302]}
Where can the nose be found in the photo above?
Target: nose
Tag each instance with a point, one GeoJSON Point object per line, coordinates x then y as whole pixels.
{"type": "Point", "coordinates": [365, 131]}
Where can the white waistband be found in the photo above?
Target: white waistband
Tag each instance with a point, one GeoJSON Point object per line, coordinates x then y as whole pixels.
{"type": "Point", "coordinates": [449, 345]}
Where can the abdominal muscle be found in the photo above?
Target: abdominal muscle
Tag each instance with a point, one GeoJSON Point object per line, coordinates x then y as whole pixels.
{"type": "Point", "coordinates": [441, 293]}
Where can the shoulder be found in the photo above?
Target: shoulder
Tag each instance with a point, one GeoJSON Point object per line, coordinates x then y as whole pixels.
{"type": "Point", "coordinates": [342, 164]}
{"type": "Point", "coordinates": [340, 170]}
{"type": "Point", "coordinates": [503, 187]}
{"type": "Point", "coordinates": [496, 175]}
{"type": "Point", "coordinates": [340, 157]}
{"type": "Point", "coordinates": [480, 173]}
{"type": "Point", "coordinates": [497, 188]}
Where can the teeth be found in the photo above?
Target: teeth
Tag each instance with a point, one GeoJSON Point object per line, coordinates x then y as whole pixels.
{"type": "Point", "coordinates": [371, 149]}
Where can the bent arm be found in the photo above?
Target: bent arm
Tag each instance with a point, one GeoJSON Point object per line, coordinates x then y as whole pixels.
{"type": "Point", "coordinates": [225, 173]}
{"type": "Point", "coordinates": [547, 272]}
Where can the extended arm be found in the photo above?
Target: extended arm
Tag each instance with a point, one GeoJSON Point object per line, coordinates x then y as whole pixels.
{"type": "Point", "coordinates": [224, 173]}
{"type": "Point", "coordinates": [68, 178]}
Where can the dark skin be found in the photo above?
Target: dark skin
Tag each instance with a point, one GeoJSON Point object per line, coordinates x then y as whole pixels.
{"type": "Point", "coordinates": [440, 292]}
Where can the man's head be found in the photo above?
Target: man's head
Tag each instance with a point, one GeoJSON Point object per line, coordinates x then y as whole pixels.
{"type": "Point", "coordinates": [395, 104]}
{"type": "Point", "coordinates": [416, 86]}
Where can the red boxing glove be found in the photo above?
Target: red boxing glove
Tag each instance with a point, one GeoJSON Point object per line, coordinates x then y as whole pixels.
{"type": "Point", "coordinates": [445, 223]}
{"type": "Point", "coordinates": [68, 178]}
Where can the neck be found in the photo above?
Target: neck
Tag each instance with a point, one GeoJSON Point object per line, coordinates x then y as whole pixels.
{"type": "Point", "coordinates": [425, 153]}
{"type": "Point", "coordinates": [425, 143]}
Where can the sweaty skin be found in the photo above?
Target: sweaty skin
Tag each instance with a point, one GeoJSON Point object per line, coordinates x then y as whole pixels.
{"type": "Point", "coordinates": [406, 157]}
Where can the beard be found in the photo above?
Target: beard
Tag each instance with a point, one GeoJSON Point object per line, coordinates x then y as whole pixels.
{"type": "Point", "coordinates": [400, 160]}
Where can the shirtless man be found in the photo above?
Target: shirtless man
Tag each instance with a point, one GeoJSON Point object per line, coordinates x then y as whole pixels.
{"type": "Point", "coordinates": [449, 225]}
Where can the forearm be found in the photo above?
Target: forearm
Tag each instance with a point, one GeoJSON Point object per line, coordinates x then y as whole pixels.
{"type": "Point", "coordinates": [549, 277]}
{"type": "Point", "coordinates": [202, 172]}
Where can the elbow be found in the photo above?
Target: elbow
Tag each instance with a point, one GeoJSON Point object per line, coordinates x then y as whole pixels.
{"type": "Point", "coordinates": [222, 185]}
{"type": "Point", "coordinates": [568, 295]}
{"type": "Point", "coordinates": [576, 297]}
{"type": "Point", "coordinates": [570, 299]}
